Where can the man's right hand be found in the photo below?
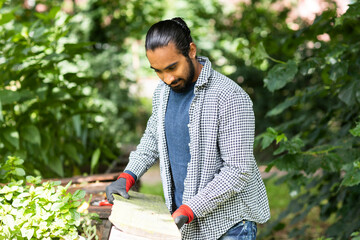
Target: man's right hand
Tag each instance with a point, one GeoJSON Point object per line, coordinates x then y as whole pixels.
{"type": "Point", "coordinates": [121, 186]}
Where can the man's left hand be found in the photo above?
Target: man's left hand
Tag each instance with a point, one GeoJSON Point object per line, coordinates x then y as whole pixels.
{"type": "Point", "coordinates": [183, 215]}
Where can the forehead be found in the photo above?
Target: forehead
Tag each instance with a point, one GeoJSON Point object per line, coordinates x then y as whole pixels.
{"type": "Point", "coordinates": [163, 56]}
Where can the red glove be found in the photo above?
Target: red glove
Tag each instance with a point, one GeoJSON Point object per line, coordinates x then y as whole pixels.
{"type": "Point", "coordinates": [130, 181]}
{"type": "Point", "coordinates": [183, 215]}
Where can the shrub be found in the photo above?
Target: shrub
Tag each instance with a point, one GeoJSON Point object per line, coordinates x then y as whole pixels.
{"type": "Point", "coordinates": [34, 209]}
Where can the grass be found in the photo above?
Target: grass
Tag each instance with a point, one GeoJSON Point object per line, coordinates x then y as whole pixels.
{"type": "Point", "coordinates": [278, 195]}
{"type": "Point", "coordinates": [155, 189]}
{"type": "Point", "coordinates": [279, 199]}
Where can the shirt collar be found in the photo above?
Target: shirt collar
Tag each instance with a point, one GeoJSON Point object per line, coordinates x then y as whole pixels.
{"type": "Point", "coordinates": [205, 73]}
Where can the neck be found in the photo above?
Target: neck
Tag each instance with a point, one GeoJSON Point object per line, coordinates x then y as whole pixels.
{"type": "Point", "coordinates": [198, 66]}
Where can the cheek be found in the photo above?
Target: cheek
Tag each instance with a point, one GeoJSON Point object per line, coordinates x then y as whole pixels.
{"type": "Point", "coordinates": [180, 73]}
{"type": "Point", "coordinates": [160, 75]}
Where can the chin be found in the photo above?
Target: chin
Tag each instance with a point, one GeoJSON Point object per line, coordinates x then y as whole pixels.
{"type": "Point", "coordinates": [179, 89]}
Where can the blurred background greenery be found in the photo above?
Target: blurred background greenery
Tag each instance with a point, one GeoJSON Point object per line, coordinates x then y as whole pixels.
{"type": "Point", "coordinates": [74, 96]}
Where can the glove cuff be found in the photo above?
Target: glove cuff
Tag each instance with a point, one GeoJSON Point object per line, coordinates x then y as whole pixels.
{"type": "Point", "coordinates": [184, 210]}
{"type": "Point", "coordinates": [130, 181]}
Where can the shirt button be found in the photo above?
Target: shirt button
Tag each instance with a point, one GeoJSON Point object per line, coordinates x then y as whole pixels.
{"type": "Point", "coordinates": [189, 144]}
{"type": "Point", "coordinates": [189, 125]}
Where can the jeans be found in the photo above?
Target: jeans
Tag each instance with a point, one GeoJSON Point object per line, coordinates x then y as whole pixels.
{"type": "Point", "coordinates": [244, 230]}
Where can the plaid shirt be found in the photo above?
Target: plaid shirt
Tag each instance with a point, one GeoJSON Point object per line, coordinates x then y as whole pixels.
{"type": "Point", "coordinates": [223, 184]}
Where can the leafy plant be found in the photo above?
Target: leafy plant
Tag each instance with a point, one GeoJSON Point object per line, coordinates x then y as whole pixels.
{"type": "Point", "coordinates": [65, 104]}
{"type": "Point", "coordinates": [32, 209]}
{"type": "Point", "coordinates": [316, 138]}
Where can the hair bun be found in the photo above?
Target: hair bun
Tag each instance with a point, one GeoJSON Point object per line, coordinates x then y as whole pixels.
{"type": "Point", "coordinates": [182, 24]}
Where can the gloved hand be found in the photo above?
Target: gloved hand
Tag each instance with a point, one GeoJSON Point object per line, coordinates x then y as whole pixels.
{"type": "Point", "coordinates": [183, 215]}
{"type": "Point", "coordinates": [121, 186]}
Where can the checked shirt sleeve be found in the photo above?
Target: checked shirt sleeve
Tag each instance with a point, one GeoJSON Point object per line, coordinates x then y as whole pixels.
{"type": "Point", "coordinates": [235, 141]}
{"type": "Point", "coordinates": [146, 153]}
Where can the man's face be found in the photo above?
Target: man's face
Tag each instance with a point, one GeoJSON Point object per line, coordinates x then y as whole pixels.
{"type": "Point", "coordinates": [172, 67]}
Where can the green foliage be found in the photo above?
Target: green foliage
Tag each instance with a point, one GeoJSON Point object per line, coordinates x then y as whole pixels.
{"type": "Point", "coordinates": [65, 104]}
{"type": "Point", "coordinates": [315, 138]}
{"type": "Point", "coordinates": [32, 209]}
{"type": "Point", "coordinates": [39, 92]}
{"type": "Point", "coordinates": [154, 189]}
{"type": "Point", "coordinates": [11, 170]}
{"type": "Point", "coordinates": [355, 236]}
{"type": "Point", "coordinates": [280, 75]}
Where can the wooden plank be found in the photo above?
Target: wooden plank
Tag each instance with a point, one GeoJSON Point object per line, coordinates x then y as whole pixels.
{"type": "Point", "coordinates": [103, 211]}
{"type": "Point", "coordinates": [143, 215]}
{"type": "Point", "coordinates": [86, 179]}
{"type": "Point", "coordinates": [117, 234]}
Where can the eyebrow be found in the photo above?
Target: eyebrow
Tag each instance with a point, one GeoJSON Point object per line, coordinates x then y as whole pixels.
{"type": "Point", "coordinates": [169, 66]}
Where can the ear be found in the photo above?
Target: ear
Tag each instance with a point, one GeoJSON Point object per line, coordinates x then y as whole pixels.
{"type": "Point", "coordinates": [192, 51]}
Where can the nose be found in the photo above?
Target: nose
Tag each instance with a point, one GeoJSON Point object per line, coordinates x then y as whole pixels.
{"type": "Point", "coordinates": [168, 78]}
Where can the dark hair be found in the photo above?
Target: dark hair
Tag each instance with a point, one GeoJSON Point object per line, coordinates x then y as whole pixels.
{"type": "Point", "coordinates": [174, 30]}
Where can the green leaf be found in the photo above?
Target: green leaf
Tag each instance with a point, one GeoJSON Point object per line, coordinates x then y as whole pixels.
{"type": "Point", "coordinates": [72, 153]}
{"type": "Point", "coordinates": [95, 159]}
{"type": "Point", "coordinates": [6, 17]}
{"type": "Point", "coordinates": [56, 206]}
{"type": "Point", "coordinates": [282, 106]}
{"type": "Point", "coordinates": [77, 48]}
{"type": "Point", "coordinates": [280, 75]}
{"type": "Point", "coordinates": [76, 204]}
{"type": "Point", "coordinates": [280, 149]}
{"type": "Point", "coordinates": [18, 161]}
{"type": "Point", "coordinates": [352, 176]}
{"type": "Point", "coordinates": [280, 138]}
{"type": "Point", "coordinates": [77, 124]}
{"type": "Point", "coordinates": [1, 115]}
{"type": "Point", "coordinates": [53, 12]}
{"type": "Point", "coordinates": [31, 134]}
{"type": "Point", "coordinates": [294, 145]}
{"type": "Point", "coordinates": [49, 16]}
{"type": "Point", "coordinates": [268, 137]}
{"type": "Point", "coordinates": [309, 66]}
{"type": "Point", "coordinates": [260, 51]}
{"type": "Point", "coordinates": [9, 97]}
{"type": "Point", "coordinates": [348, 93]}
{"type": "Point", "coordinates": [19, 172]}
{"type": "Point", "coordinates": [107, 152]}
{"type": "Point", "coordinates": [353, 10]}
{"type": "Point", "coordinates": [9, 221]}
{"type": "Point", "coordinates": [33, 180]}
{"type": "Point", "coordinates": [78, 195]}
{"type": "Point", "coordinates": [356, 131]}
{"type": "Point", "coordinates": [11, 136]}
{"type": "Point", "coordinates": [338, 70]}
{"type": "Point", "coordinates": [56, 165]}
{"type": "Point", "coordinates": [46, 140]}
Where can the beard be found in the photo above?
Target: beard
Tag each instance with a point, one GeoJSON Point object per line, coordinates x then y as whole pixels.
{"type": "Point", "coordinates": [187, 81]}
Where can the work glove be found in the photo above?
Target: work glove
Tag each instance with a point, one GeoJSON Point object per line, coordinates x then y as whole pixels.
{"type": "Point", "coordinates": [121, 186]}
{"type": "Point", "coordinates": [183, 215]}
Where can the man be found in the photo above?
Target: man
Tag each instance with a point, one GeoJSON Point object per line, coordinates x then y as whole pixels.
{"type": "Point", "coordinates": [202, 131]}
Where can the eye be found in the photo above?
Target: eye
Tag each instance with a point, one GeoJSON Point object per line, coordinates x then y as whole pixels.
{"type": "Point", "coordinates": [171, 68]}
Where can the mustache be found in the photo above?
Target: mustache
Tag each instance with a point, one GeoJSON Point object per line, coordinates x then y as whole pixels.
{"type": "Point", "coordinates": [175, 82]}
